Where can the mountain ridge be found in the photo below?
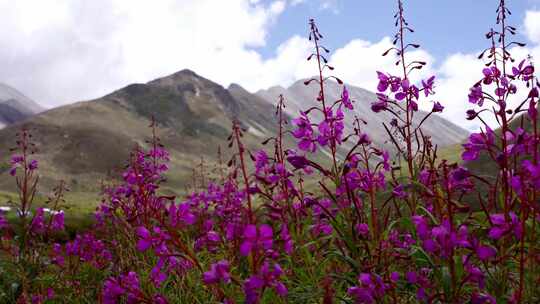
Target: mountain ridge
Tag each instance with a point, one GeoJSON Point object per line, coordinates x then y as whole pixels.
{"type": "Point", "coordinates": [15, 106]}
{"type": "Point", "coordinates": [298, 96]}
{"type": "Point", "coordinates": [89, 141]}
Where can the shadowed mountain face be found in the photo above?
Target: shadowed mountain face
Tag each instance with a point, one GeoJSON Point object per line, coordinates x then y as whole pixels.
{"type": "Point", "coordinates": [14, 106]}
{"type": "Point", "coordinates": [300, 97]}
{"type": "Point", "coordinates": [485, 166]}
{"type": "Point", "coordinates": [83, 142]}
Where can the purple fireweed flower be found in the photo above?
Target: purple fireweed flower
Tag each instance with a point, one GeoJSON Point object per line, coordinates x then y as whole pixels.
{"type": "Point", "coordinates": [460, 179]}
{"type": "Point", "coordinates": [413, 106]}
{"type": "Point", "coordinates": [38, 222]}
{"type": "Point", "coordinates": [57, 255]}
{"type": "Point", "coordinates": [145, 241]}
{"type": "Point", "coordinates": [304, 132]}
{"type": "Point", "coordinates": [394, 276]}
{"type": "Point", "coordinates": [17, 159]}
{"type": "Point", "coordinates": [267, 277]}
{"type": "Point", "coordinates": [437, 107]}
{"type": "Point", "coordinates": [478, 298]}
{"type": "Point", "coordinates": [490, 74]}
{"type": "Point", "coordinates": [345, 99]}
{"type": "Point", "coordinates": [533, 171]}
{"type": "Point", "coordinates": [386, 81]}
{"type": "Point", "coordinates": [425, 177]}
{"type": "Point", "coordinates": [58, 221]}
{"type": "Point", "coordinates": [255, 239]}
{"type": "Point", "coordinates": [370, 289]}
{"type": "Point", "coordinates": [476, 95]}
{"type": "Point", "coordinates": [181, 214]}
{"type": "Point", "coordinates": [403, 241]}
{"type": "Point", "coordinates": [218, 272]}
{"type": "Point", "coordinates": [386, 160]}
{"type": "Point", "coordinates": [157, 276]}
{"type": "Point", "coordinates": [400, 96]}
{"type": "Point", "coordinates": [383, 82]}
{"type": "Point", "coordinates": [159, 299]}
{"type": "Point", "coordinates": [485, 253]}
{"type": "Point", "coordinates": [501, 226]}
{"type": "Point", "coordinates": [523, 70]}
{"type": "Point", "coordinates": [411, 277]}
{"type": "Point", "coordinates": [381, 104]}
{"type": "Point", "coordinates": [115, 288]}
{"type": "Point", "coordinates": [298, 161]}
{"type": "Point", "coordinates": [441, 239]}
{"type": "Point", "coordinates": [33, 165]}
{"type": "Point", "coordinates": [251, 287]}
{"type": "Point", "coordinates": [475, 275]}
{"type": "Point", "coordinates": [362, 229]}
{"type": "Point", "coordinates": [261, 161]}
{"type": "Point", "coordinates": [478, 142]}
{"type": "Point", "coordinates": [399, 192]}
{"type": "Point", "coordinates": [405, 84]}
{"type": "Point", "coordinates": [471, 114]}
{"type": "Point", "coordinates": [287, 240]}
{"type": "Point", "coordinates": [427, 85]}
{"type": "Point", "coordinates": [322, 228]}
{"type": "Point", "coordinates": [3, 221]}
{"type": "Point", "coordinates": [422, 227]}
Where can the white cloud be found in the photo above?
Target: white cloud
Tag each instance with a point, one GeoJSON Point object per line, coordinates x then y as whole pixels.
{"type": "Point", "coordinates": [296, 2]}
{"type": "Point", "coordinates": [331, 5]}
{"type": "Point", "coordinates": [323, 5]}
{"type": "Point", "coordinates": [287, 66]}
{"type": "Point", "coordinates": [63, 51]}
{"type": "Point", "coordinates": [455, 76]}
{"type": "Point", "coordinates": [532, 26]}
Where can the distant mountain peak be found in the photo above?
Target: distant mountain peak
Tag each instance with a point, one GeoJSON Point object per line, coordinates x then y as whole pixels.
{"type": "Point", "coordinates": [183, 77]}
{"type": "Point", "coordinates": [236, 87]}
{"type": "Point", "coordinates": [15, 106]}
{"type": "Point", "coordinates": [8, 92]}
{"type": "Point", "coordinates": [186, 72]}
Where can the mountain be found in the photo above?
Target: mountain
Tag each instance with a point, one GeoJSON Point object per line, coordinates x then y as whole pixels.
{"type": "Point", "coordinates": [14, 106]}
{"type": "Point", "coordinates": [299, 96]}
{"type": "Point", "coordinates": [87, 142]}
{"type": "Point", "coordinates": [83, 142]}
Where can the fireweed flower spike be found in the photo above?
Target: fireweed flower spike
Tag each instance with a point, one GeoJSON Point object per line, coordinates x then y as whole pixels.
{"type": "Point", "coordinates": [493, 93]}
{"type": "Point", "coordinates": [400, 97]}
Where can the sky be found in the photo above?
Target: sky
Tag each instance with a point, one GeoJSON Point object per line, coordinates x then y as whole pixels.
{"type": "Point", "coordinates": [62, 51]}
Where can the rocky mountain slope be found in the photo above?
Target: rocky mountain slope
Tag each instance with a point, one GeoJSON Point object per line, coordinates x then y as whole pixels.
{"type": "Point", "coordinates": [299, 96]}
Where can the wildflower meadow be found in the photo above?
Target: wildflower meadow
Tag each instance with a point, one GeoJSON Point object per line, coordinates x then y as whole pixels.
{"type": "Point", "coordinates": [278, 225]}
